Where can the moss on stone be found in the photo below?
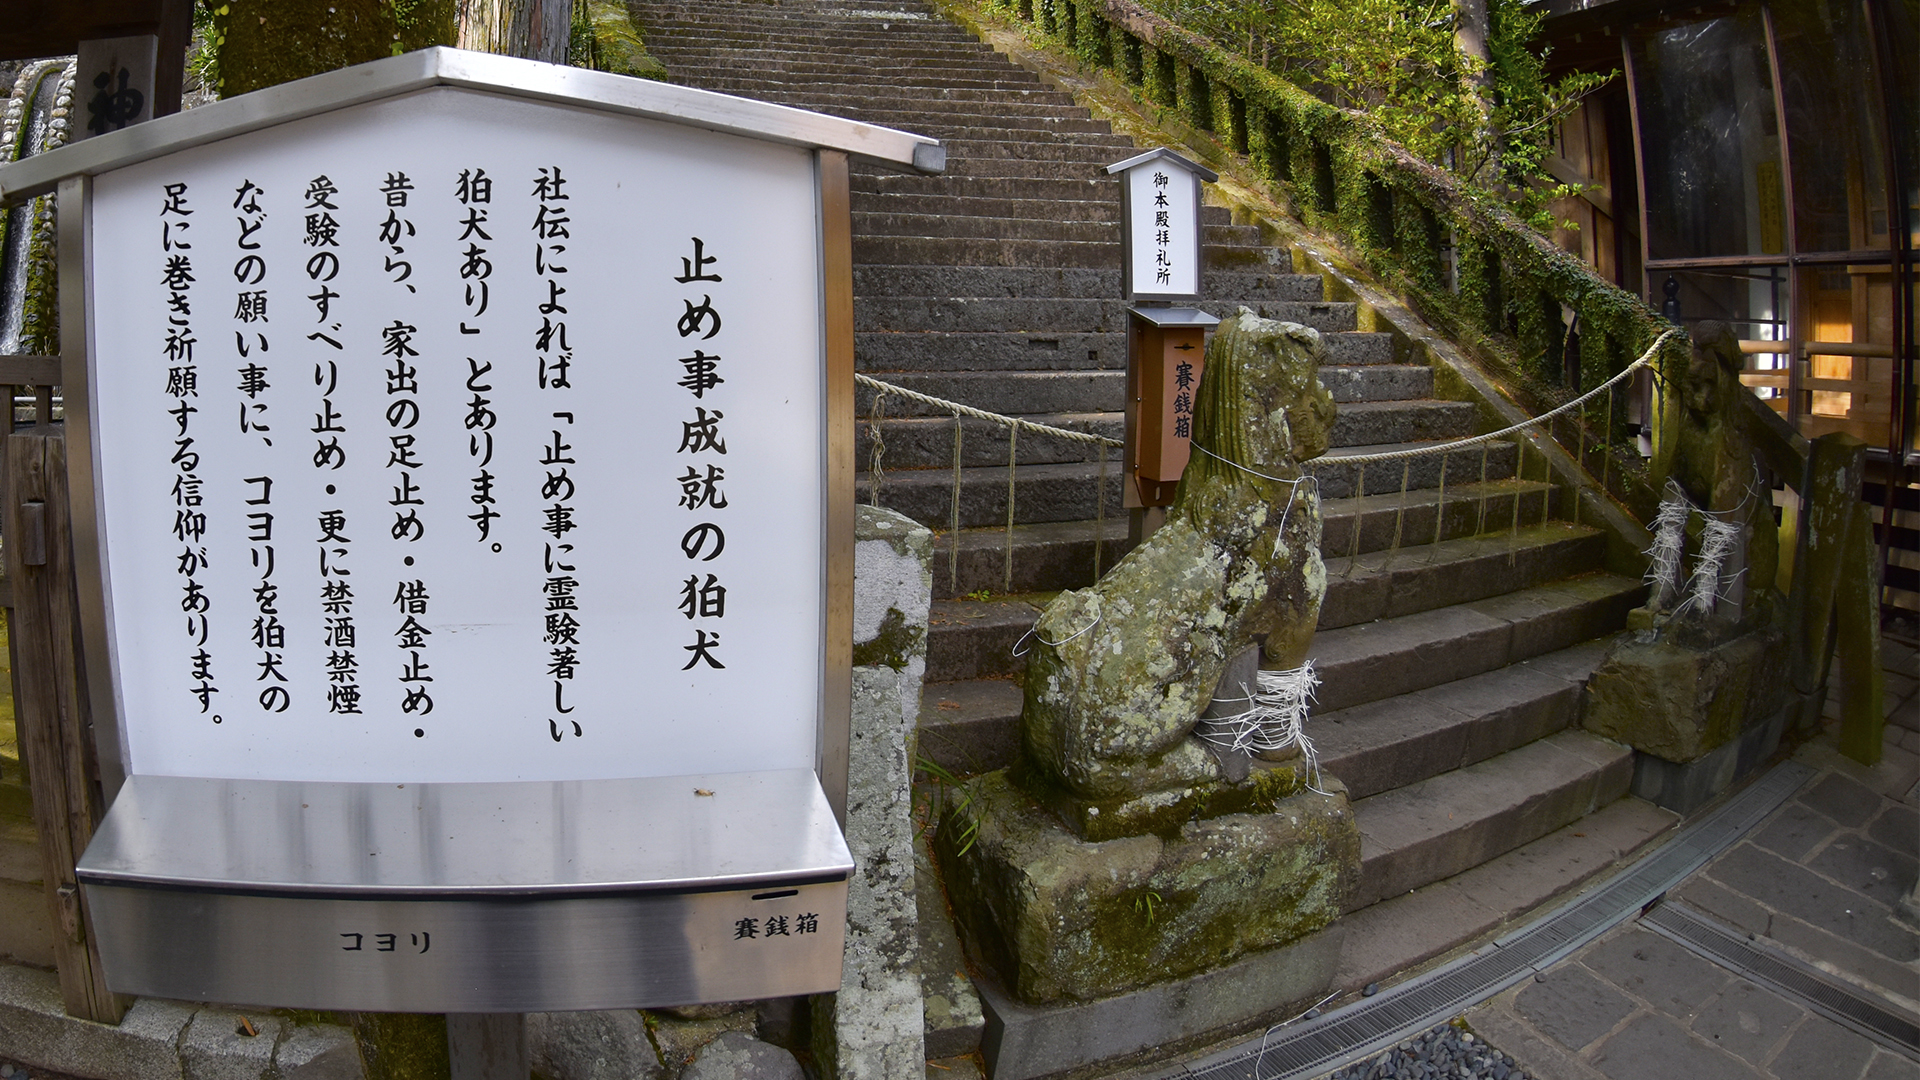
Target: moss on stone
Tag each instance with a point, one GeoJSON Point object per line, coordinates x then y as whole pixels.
{"type": "Point", "coordinates": [403, 1046]}
{"type": "Point", "coordinates": [1063, 919]}
{"type": "Point", "coordinates": [1164, 812]}
{"type": "Point", "coordinates": [893, 646]}
{"type": "Point", "coordinates": [615, 44]}
{"type": "Point", "coordinates": [262, 43]}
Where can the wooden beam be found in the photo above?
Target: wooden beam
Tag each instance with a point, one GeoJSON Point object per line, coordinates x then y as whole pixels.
{"type": "Point", "coordinates": [51, 705]}
{"type": "Point", "coordinates": [35, 28]}
{"type": "Point", "coordinates": [18, 370]}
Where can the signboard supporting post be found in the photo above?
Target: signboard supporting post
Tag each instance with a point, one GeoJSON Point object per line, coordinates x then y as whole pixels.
{"type": "Point", "coordinates": [50, 705]}
{"type": "Point", "coordinates": [488, 1046]}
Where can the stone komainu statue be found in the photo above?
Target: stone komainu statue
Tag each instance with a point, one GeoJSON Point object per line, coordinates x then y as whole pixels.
{"type": "Point", "coordinates": [1119, 851]}
{"type": "Point", "coordinates": [1111, 706]}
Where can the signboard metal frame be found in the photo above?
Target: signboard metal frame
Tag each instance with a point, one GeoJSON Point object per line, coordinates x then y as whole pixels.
{"type": "Point", "coordinates": [71, 170]}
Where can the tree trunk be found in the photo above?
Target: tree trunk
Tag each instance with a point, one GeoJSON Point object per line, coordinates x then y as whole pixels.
{"type": "Point", "coordinates": [1470, 29]}
{"type": "Point", "coordinates": [533, 29]}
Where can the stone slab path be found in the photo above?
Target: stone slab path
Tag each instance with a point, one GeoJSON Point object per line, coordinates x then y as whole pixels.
{"type": "Point", "coordinates": [1817, 881]}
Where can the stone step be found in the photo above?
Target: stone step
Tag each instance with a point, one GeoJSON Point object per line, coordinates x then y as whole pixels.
{"type": "Point", "coordinates": [787, 65]}
{"type": "Point", "coordinates": [975, 639]}
{"type": "Point", "coordinates": [1395, 937]}
{"type": "Point", "coordinates": [1086, 210]}
{"type": "Point", "coordinates": [1376, 423]}
{"type": "Point", "coordinates": [1047, 557]}
{"type": "Point", "coordinates": [988, 168]}
{"type": "Point", "coordinates": [1076, 188]}
{"type": "Point", "coordinates": [1068, 491]}
{"type": "Point", "coordinates": [1051, 556]}
{"type": "Point", "coordinates": [1005, 392]}
{"type": "Point", "coordinates": [1048, 350]}
{"type": "Point", "coordinates": [1376, 382]}
{"type": "Point", "coordinates": [1340, 477]}
{"type": "Point", "coordinates": [917, 436]}
{"type": "Point", "coordinates": [1464, 510]}
{"type": "Point", "coordinates": [1061, 492]}
{"type": "Point", "coordinates": [1455, 821]}
{"type": "Point", "coordinates": [905, 110]}
{"type": "Point", "coordinates": [1376, 660]}
{"type": "Point", "coordinates": [972, 726]}
{"type": "Point", "coordinates": [926, 442]}
{"type": "Point", "coordinates": [738, 45]}
{"type": "Point", "coordinates": [991, 251]}
{"type": "Point", "coordinates": [1006, 282]}
{"type": "Point", "coordinates": [1085, 151]}
{"type": "Point", "coordinates": [1403, 740]}
{"type": "Point", "coordinates": [957, 120]}
{"type": "Point", "coordinates": [830, 92]}
{"type": "Point", "coordinates": [1424, 576]}
{"type": "Point", "coordinates": [866, 223]}
{"type": "Point", "coordinates": [1015, 314]}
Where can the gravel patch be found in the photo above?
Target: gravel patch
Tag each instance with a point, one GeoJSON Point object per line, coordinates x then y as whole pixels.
{"type": "Point", "coordinates": [1444, 1053]}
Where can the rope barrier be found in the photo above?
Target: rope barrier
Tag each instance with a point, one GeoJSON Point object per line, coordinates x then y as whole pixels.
{"type": "Point", "coordinates": [982, 414]}
{"type": "Point", "coordinates": [1494, 436]}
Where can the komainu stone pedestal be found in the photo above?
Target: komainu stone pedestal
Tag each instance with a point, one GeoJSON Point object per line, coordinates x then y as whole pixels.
{"type": "Point", "coordinates": [1697, 685]}
{"type": "Point", "coordinates": [1699, 714]}
{"type": "Point", "coordinates": [1062, 919]}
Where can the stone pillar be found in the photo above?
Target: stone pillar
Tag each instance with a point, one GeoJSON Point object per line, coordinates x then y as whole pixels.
{"type": "Point", "coordinates": [874, 1028]}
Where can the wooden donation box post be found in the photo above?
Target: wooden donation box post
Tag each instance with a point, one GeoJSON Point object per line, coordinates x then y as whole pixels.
{"type": "Point", "coordinates": [462, 471]}
{"type": "Point", "coordinates": [1166, 341]}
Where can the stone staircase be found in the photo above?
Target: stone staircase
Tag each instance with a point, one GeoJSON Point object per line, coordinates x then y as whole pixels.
{"type": "Point", "coordinates": [1454, 641]}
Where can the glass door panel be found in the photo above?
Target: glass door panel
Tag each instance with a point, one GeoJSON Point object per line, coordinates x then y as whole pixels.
{"type": "Point", "coordinates": [1710, 140]}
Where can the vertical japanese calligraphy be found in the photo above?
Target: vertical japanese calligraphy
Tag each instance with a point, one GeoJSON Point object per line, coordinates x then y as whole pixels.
{"type": "Point", "coordinates": [702, 602]}
{"type": "Point", "coordinates": [559, 592]}
{"type": "Point", "coordinates": [183, 383]}
{"type": "Point", "coordinates": [1162, 231]}
{"type": "Point", "coordinates": [509, 459]}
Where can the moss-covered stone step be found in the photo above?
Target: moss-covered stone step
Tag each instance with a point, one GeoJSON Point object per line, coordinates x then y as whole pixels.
{"type": "Point", "coordinates": [972, 726]}
{"type": "Point", "coordinates": [1423, 576]}
{"type": "Point", "coordinates": [1381, 659]}
{"type": "Point", "coordinates": [1402, 740]}
{"type": "Point", "coordinates": [973, 639]}
{"type": "Point", "coordinates": [1439, 827]}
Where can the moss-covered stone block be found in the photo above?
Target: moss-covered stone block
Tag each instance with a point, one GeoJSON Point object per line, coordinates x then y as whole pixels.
{"type": "Point", "coordinates": [1065, 919]}
{"type": "Point", "coordinates": [403, 1046]}
{"type": "Point", "coordinates": [262, 43]}
{"type": "Point", "coordinates": [1678, 702]}
{"type": "Point", "coordinates": [1165, 811]}
{"type": "Point", "coordinates": [617, 46]}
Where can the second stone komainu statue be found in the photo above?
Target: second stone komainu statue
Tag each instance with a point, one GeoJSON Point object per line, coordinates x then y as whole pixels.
{"type": "Point", "coordinates": [1121, 850]}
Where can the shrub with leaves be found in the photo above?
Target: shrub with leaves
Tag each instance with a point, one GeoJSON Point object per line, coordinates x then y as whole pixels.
{"type": "Point", "coordinates": [1398, 61]}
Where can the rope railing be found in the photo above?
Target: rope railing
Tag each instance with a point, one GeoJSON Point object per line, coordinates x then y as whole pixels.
{"type": "Point", "coordinates": [1014, 425]}
{"type": "Point", "coordinates": [877, 450]}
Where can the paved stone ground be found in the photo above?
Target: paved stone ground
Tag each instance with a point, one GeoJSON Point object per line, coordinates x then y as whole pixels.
{"type": "Point", "coordinates": [1818, 880]}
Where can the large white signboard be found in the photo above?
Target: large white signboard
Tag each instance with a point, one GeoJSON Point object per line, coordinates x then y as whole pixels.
{"type": "Point", "coordinates": [460, 437]}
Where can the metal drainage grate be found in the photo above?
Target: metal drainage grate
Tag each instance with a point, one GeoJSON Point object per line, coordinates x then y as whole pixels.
{"type": "Point", "coordinates": [1373, 1024]}
{"type": "Point", "coordinates": [1768, 966]}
